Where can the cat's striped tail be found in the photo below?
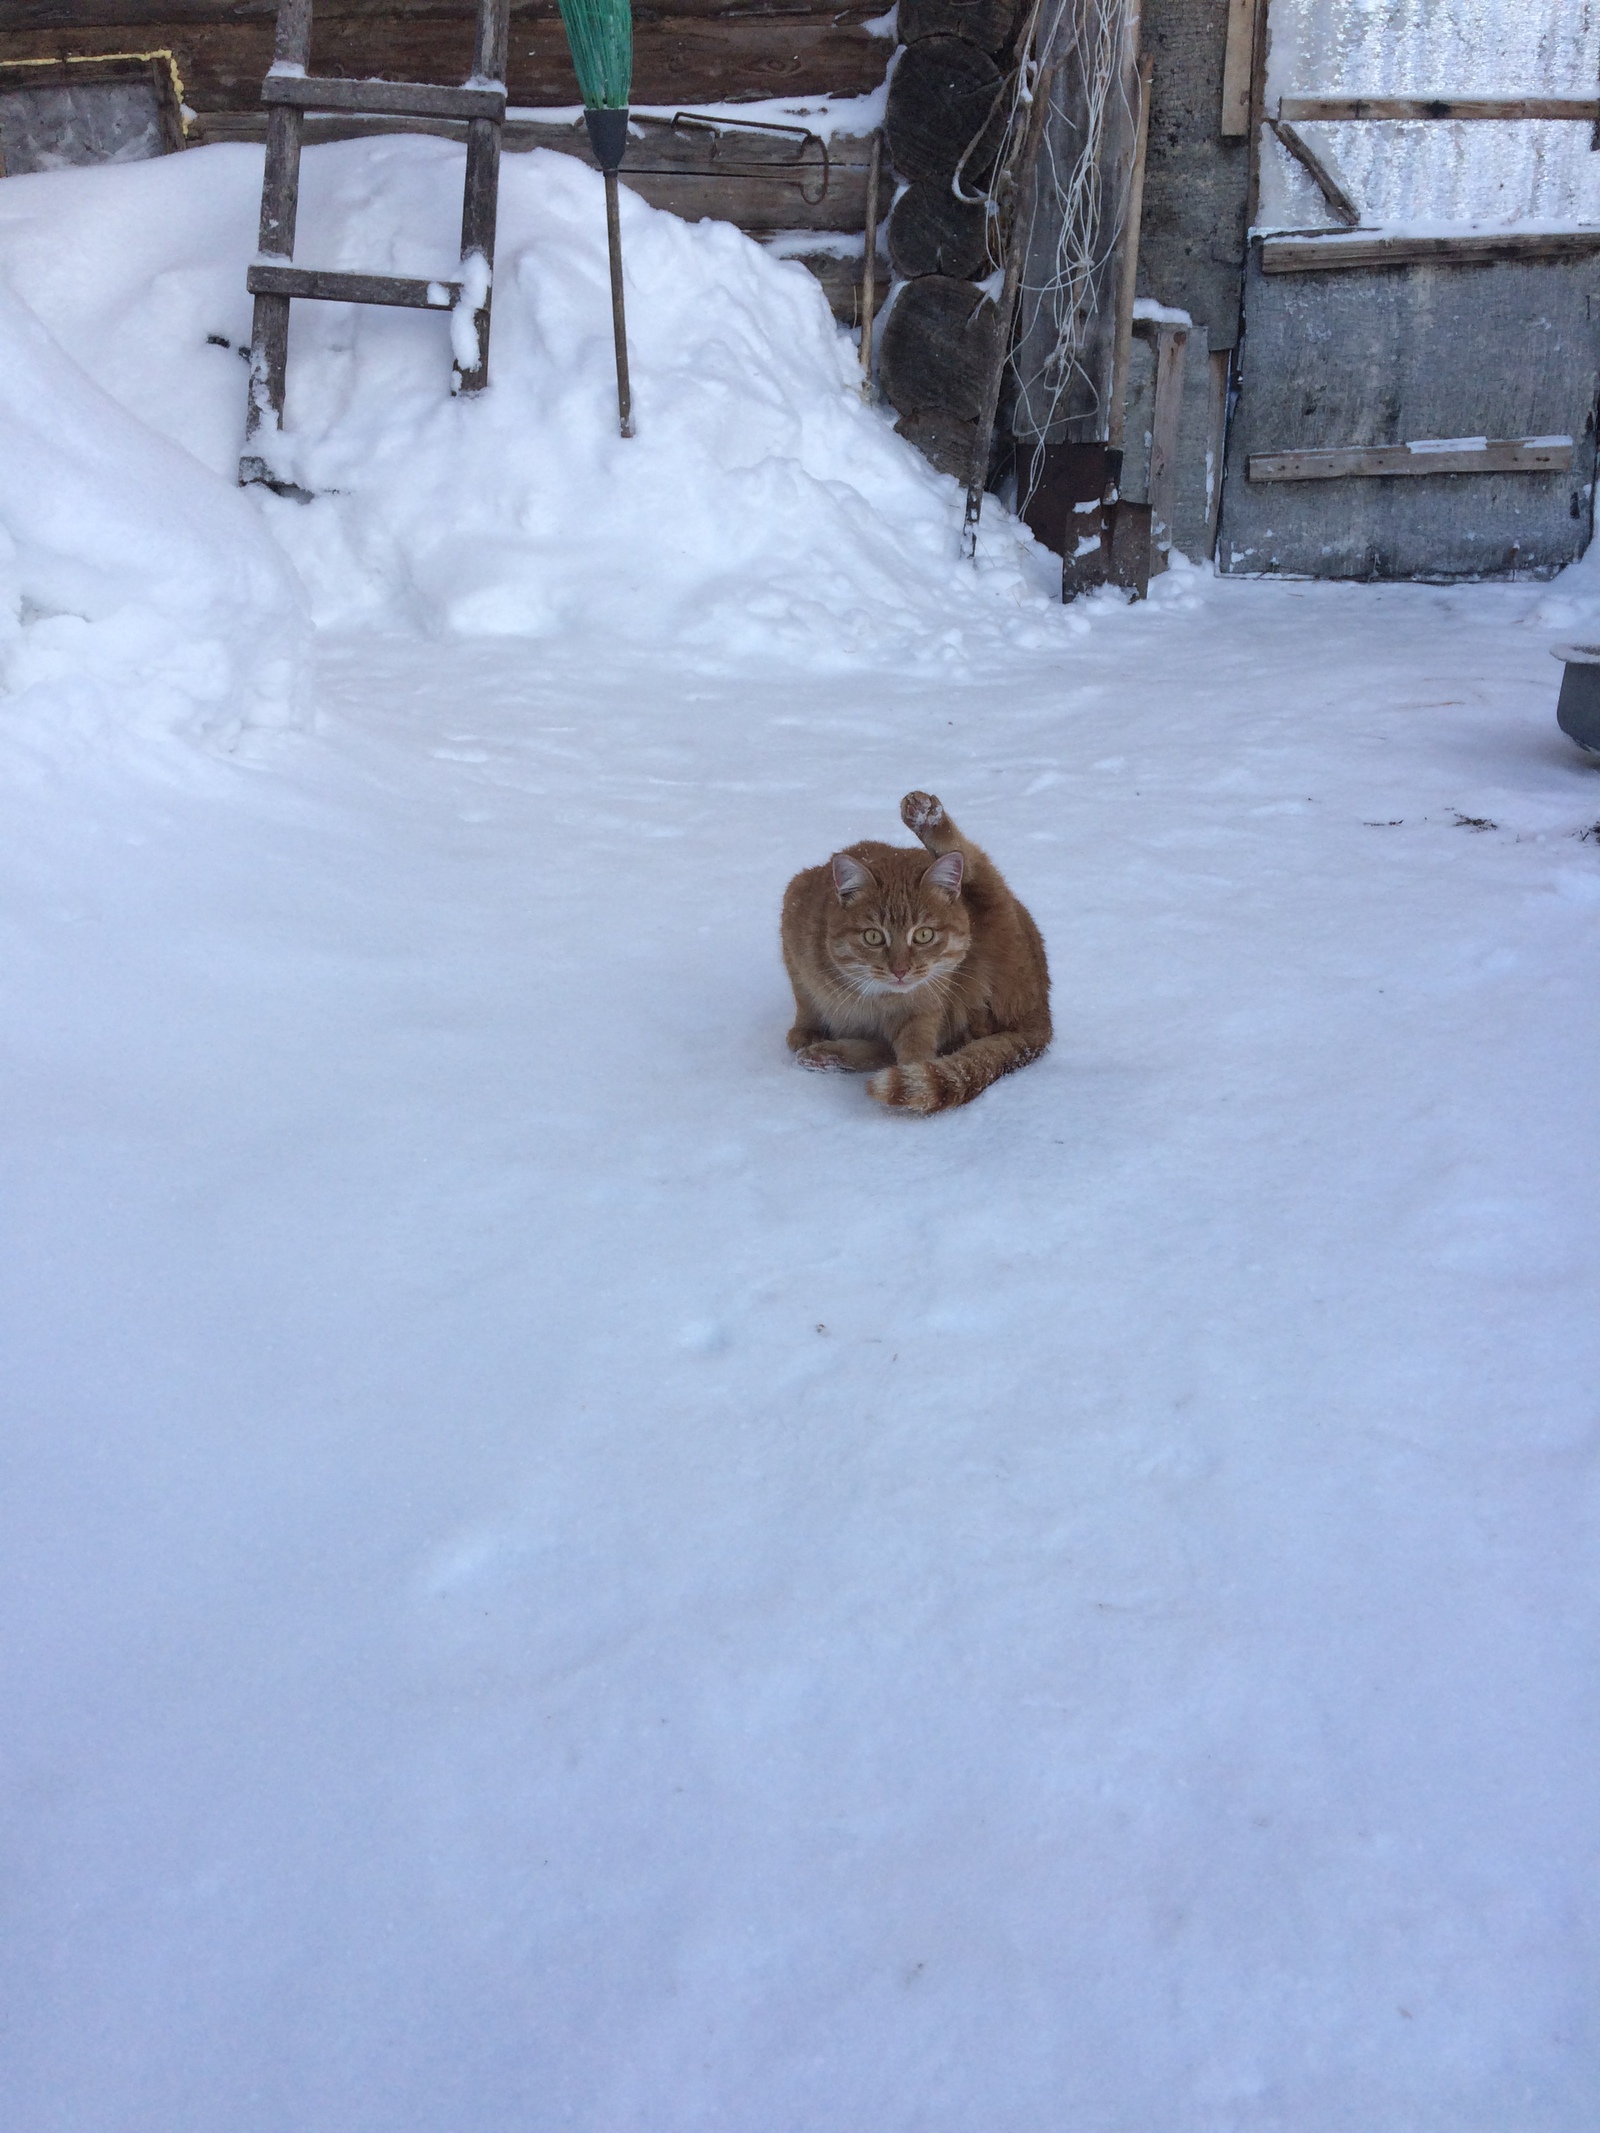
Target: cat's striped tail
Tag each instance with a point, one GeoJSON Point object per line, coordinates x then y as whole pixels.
{"type": "Point", "coordinates": [941, 1084]}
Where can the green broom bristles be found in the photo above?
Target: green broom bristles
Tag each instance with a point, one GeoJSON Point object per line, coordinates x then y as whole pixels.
{"type": "Point", "coordinates": [600, 33]}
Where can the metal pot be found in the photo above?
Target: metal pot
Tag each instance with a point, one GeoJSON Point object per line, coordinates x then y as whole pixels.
{"type": "Point", "coordinates": [1578, 707]}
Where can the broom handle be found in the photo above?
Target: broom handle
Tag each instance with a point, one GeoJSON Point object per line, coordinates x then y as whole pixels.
{"type": "Point", "coordinates": [619, 326]}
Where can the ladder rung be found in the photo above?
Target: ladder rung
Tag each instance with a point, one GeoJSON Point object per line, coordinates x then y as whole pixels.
{"type": "Point", "coordinates": [333, 288]}
{"type": "Point", "coordinates": [389, 99]}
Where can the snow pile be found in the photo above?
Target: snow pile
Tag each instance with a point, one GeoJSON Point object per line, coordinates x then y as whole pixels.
{"type": "Point", "coordinates": [761, 513]}
{"type": "Point", "coordinates": [761, 507]}
{"type": "Point", "coordinates": [558, 1572]}
{"type": "Point", "coordinates": [136, 590]}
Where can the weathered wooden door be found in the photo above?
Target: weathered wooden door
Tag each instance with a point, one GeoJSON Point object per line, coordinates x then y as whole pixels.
{"type": "Point", "coordinates": [1417, 379]}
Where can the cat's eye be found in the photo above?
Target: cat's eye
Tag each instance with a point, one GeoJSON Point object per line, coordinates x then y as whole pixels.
{"type": "Point", "coordinates": [872, 937]}
{"type": "Point", "coordinates": [922, 936]}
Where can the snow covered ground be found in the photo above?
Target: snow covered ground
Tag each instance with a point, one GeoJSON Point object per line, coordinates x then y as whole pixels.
{"type": "Point", "coordinates": [558, 1572]}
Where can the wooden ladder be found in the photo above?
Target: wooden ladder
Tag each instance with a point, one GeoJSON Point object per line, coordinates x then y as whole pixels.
{"type": "Point", "coordinates": [289, 92]}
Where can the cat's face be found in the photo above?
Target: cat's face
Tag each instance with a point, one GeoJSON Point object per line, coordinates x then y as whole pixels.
{"type": "Point", "coordinates": [888, 937]}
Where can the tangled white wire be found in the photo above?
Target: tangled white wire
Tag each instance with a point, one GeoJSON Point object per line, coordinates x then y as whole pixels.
{"type": "Point", "coordinates": [1069, 195]}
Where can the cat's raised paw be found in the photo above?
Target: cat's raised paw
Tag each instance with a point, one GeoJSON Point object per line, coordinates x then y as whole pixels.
{"type": "Point", "coordinates": [908, 1088]}
{"type": "Point", "coordinates": [920, 811]}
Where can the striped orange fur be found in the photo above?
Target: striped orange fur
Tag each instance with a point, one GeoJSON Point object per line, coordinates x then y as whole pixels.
{"type": "Point", "coordinates": [930, 978]}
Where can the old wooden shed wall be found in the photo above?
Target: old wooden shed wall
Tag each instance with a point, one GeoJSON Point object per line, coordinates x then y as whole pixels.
{"type": "Point", "coordinates": [693, 52]}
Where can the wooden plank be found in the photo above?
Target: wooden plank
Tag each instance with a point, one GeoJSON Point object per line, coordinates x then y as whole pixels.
{"type": "Point", "coordinates": [1322, 169]}
{"type": "Point", "coordinates": [1128, 261]}
{"type": "Point", "coordinates": [1171, 346]}
{"type": "Point", "coordinates": [396, 99]}
{"type": "Point", "coordinates": [382, 17]}
{"type": "Point", "coordinates": [280, 205]}
{"type": "Point", "coordinates": [1337, 254]}
{"type": "Point", "coordinates": [221, 67]}
{"type": "Point", "coordinates": [62, 73]}
{"type": "Point", "coordinates": [687, 146]}
{"type": "Point", "coordinates": [681, 58]}
{"type": "Point", "coordinates": [759, 180]}
{"type": "Point", "coordinates": [869, 266]}
{"type": "Point", "coordinates": [1218, 378]}
{"type": "Point", "coordinates": [1259, 43]}
{"type": "Point", "coordinates": [481, 192]}
{"type": "Point", "coordinates": [280, 185]}
{"type": "Point", "coordinates": [1296, 109]}
{"type": "Point", "coordinates": [759, 183]}
{"type": "Point", "coordinates": [1132, 547]}
{"type": "Point", "coordinates": [338, 288]}
{"type": "Point", "coordinates": [1236, 69]}
{"type": "Point", "coordinates": [1500, 455]}
{"type": "Point", "coordinates": [687, 59]}
{"type": "Point", "coordinates": [491, 39]}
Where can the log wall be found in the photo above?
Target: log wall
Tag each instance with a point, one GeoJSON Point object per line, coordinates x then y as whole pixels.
{"type": "Point", "coordinates": [690, 53]}
{"type": "Point", "coordinates": [945, 110]}
{"type": "Point", "coordinates": [693, 52]}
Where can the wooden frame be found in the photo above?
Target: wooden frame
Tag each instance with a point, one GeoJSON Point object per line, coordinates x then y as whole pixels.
{"type": "Point", "coordinates": [1171, 344]}
{"type": "Point", "coordinates": [158, 68]}
{"type": "Point", "coordinates": [1237, 57]}
{"type": "Point", "coordinates": [1322, 169]}
{"type": "Point", "coordinates": [1258, 110]}
{"type": "Point", "coordinates": [1128, 262]}
{"type": "Point", "coordinates": [1298, 110]}
{"type": "Point", "coordinates": [288, 92]}
{"type": "Point", "coordinates": [388, 99]}
{"type": "Point", "coordinates": [1338, 253]}
{"type": "Point", "coordinates": [337, 288]}
{"type": "Point", "coordinates": [1499, 455]}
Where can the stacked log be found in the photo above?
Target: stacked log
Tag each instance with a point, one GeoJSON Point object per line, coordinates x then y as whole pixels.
{"type": "Point", "coordinates": [946, 112]}
{"type": "Point", "coordinates": [685, 52]}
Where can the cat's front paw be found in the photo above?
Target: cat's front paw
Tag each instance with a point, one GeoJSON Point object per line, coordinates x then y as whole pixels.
{"type": "Point", "coordinates": [920, 811]}
{"type": "Point", "coordinates": [908, 1088]}
{"type": "Point", "coordinates": [822, 1059]}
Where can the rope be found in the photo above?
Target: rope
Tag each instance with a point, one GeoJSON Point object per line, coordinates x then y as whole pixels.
{"type": "Point", "coordinates": [1068, 193]}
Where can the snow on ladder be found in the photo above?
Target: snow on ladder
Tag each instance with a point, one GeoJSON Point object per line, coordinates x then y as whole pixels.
{"type": "Point", "coordinates": [289, 92]}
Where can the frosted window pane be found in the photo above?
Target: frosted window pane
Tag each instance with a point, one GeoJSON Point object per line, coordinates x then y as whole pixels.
{"type": "Point", "coordinates": [90, 122]}
{"type": "Point", "coordinates": [1528, 172]}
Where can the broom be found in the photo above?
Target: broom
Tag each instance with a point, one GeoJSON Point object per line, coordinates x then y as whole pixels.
{"type": "Point", "coordinates": [600, 34]}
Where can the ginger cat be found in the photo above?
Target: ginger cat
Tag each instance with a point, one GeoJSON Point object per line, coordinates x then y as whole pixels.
{"type": "Point", "coordinates": [930, 978]}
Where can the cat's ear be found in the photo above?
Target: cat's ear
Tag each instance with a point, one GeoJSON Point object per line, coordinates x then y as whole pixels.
{"type": "Point", "coordinates": [945, 874]}
{"type": "Point", "coordinates": [850, 876]}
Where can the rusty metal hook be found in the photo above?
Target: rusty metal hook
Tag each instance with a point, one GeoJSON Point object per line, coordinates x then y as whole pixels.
{"type": "Point", "coordinates": [695, 122]}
